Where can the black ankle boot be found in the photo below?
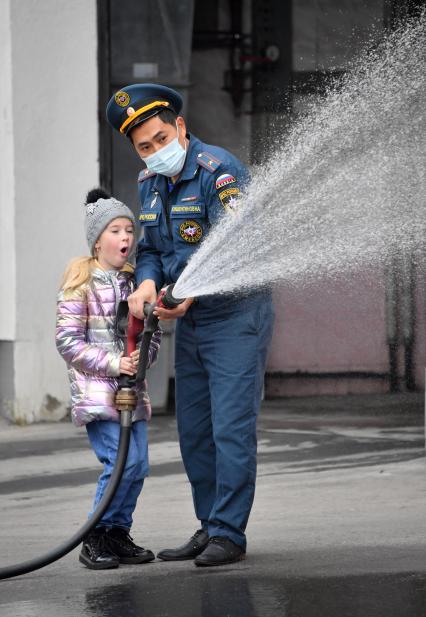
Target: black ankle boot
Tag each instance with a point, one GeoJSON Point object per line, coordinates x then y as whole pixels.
{"type": "Point", "coordinates": [195, 545]}
{"type": "Point", "coordinates": [126, 550]}
{"type": "Point", "coordinates": [219, 552]}
{"type": "Point", "coordinates": [95, 552]}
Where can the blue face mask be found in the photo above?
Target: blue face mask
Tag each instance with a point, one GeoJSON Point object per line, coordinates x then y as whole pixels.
{"type": "Point", "coordinates": [168, 161]}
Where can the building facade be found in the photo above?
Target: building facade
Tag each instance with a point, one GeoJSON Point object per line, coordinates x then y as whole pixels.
{"type": "Point", "coordinates": [246, 69]}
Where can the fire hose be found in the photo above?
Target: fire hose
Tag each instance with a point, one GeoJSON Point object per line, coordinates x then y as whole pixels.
{"type": "Point", "coordinates": [128, 328]}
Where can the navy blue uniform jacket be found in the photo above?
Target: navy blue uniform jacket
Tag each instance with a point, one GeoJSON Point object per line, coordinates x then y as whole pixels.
{"type": "Point", "coordinates": [176, 218]}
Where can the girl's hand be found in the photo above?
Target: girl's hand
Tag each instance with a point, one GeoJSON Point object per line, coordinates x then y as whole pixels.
{"type": "Point", "coordinates": [127, 365]}
{"type": "Point", "coordinates": [135, 359]}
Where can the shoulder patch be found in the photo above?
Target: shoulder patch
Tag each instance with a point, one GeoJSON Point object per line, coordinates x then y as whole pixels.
{"type": "Point", "coordinates": [208, 161]}
{"type": "Point", "coordinates": [223, 180]}
{"type": "Point", "coordinates": [145, 174]}
{"type": "Point", "coordinates": [229, 198]}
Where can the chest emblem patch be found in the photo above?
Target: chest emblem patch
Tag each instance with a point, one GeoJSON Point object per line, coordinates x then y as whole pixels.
{"type": "Point", "coordinates": [191, 231]}
{"type": "Point", "coordinates": [223, 180]}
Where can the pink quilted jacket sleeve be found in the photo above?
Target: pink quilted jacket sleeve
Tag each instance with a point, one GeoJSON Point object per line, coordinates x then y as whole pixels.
{"type": "Point", "coordinates": [71, 327]}
{"type": "Point", "coordinates": [154, 347]}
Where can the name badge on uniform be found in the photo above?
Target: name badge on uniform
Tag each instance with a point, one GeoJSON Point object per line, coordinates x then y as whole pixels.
{"type": "Point", "coordinates": [148, 216]}
{"type": "Point", "coordinates": [194, 209]}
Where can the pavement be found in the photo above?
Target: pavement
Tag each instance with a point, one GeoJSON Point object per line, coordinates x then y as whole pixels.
{"type": "Point", "coordinates": [338, 528]}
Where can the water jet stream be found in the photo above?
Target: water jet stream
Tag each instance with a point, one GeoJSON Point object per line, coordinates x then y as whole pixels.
{"type": "Point", "coordinates": [345, 190]}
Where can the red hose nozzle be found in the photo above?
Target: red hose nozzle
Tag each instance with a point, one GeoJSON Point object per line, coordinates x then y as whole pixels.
{"type": "Point", "coordinates": [167, 300]}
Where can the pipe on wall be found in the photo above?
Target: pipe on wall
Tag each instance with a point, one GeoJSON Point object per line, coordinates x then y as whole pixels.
{"type": "Point", "coordinates": [401, 320]}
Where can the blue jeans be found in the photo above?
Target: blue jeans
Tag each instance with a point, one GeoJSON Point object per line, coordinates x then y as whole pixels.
{"type": "Point", "coordinates": [104, 437]}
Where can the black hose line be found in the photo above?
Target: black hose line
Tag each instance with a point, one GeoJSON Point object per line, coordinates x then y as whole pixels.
{"type": "Point", "coordinates": [69, 545]}
{"type": "Point", "coordinates": [151, 324]}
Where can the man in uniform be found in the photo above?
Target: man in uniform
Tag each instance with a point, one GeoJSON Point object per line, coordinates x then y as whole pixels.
{"type": "Point", "coordinates": [221, 341]}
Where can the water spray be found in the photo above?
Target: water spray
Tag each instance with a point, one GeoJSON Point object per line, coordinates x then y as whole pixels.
{"type": "Point", "coordinates": [343, 191]}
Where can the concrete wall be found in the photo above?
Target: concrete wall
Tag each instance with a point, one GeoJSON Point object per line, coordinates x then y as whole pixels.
{"type": "Point", "coordinates": [328, 34]}
{"type": "Point", "coordinates": [332, 338]}
{"type": "Point", "coordinates": [7, 185]}
{"type": "Point", "coordinates": [211, 115]}
{"type": "Point", "coordinates": [49, 158]}
{"type": "Point", "coordinates": [205, 99]}
{"type": "Point", "coordinates": [335, 327]}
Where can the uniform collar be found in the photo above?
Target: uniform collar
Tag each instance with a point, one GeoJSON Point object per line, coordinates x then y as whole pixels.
{"type": "Point", "coordinates": [189, 170]}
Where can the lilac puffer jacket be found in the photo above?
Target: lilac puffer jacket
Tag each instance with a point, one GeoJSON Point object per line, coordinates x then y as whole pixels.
{"type": "Point", "coordinates": [86, 339]}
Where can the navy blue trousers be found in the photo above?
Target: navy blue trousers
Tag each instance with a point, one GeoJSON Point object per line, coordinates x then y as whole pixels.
{"type": "Point", "coordinates": [220, 365]}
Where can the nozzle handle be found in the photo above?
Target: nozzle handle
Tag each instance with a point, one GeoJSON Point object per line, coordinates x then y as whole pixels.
{"type": "Point", "coordinates": [167, 300]}
{"type": "Point", "coordinates": [128, 327]}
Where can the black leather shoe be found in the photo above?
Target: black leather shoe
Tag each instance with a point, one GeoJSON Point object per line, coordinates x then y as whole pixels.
{"type": "Point", "coordinates": [219, 552]}
{"type": "Point", "coordinates": [120, 543]}
{"type": "Point", "coordinates": [195, 545]}
{"type": "Point", "coordinates": [95, 553]}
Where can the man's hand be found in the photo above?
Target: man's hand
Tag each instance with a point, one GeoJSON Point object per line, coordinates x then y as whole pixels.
{"type": "Point", "coordinates": [146, 292]}
{"type": "Point", "coordinates": [170, 314]}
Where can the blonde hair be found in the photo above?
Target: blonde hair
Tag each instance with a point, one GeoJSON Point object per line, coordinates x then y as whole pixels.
{"type": "Point", "coordinates": [78, 272]}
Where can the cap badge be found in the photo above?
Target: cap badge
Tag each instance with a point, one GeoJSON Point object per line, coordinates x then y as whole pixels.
{"type": "Point", "coordinates": [122, 98]}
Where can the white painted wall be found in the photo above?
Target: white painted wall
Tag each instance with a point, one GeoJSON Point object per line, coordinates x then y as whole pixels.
{"type": "Point", "coordinates": [54, 154]}
{"type": "Point", "coordinates": [7, 201]}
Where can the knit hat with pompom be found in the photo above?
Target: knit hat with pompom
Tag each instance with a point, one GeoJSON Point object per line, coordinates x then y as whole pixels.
{"type": "Point", "coordinates": [101, 209]}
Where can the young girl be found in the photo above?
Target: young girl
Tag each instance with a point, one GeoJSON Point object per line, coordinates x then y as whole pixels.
{"type": "Point", "coordinates": [91, 290]}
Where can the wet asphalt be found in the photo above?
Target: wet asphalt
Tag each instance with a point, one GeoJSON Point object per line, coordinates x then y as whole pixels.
{"type": "Point", "coordinates": [338, 528]}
